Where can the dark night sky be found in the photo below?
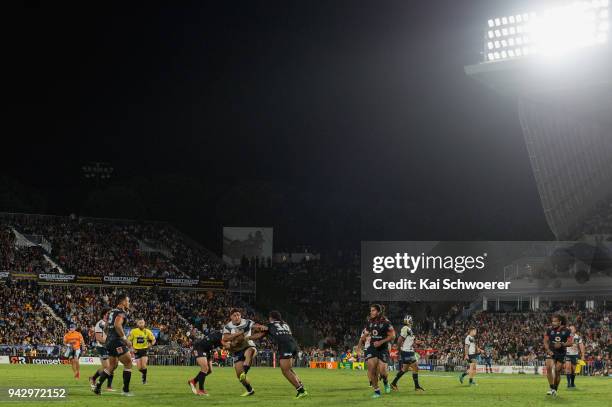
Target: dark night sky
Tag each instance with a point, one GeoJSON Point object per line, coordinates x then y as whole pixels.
{"type": "Point", "coordinates": [356, 104]}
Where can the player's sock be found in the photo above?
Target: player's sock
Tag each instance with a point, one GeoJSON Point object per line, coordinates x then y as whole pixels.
{"type": "Point", "coordinates": [247, 386]}
{"type": "Point", "coordinates": [200, 378]}
{"type": "Point", "coordinates": [397, 377]}
{"type": "Point", "coordinates": [246, 368]}
{"type": "Point", "coordinates": [103, 376]}
{"type": "Point", "coordinates": [415, 379]}
{"type": "Point", "coordinates": [300, 389]}
{"type": "Point", "coordinates": [144, 374]}
{"type": "Point", "coordinates": [377, 391]}
{"type": "Point", "coordinates": [127, 375]}
{"type": "Point", "coordinates": [110, 381]}
{"type": "Point", "coordinates": [463, 374]}
{"type": "Point", "coordinates": [569, 379]}
{"type": "Point", "coordinates": [385, 380]}
{"type": "Point", "coordinates": [552, 386]}
{"type": "Point", "coordinates": [471, 380]}
{"type": "Point", "coordinates": [95, 376]}
{"type": "Point", "coordinates": [573, 377]}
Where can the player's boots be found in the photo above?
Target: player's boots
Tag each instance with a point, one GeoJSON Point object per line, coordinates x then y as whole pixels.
{"type": "Point", "coordinates": [248, 393]}
{"type": "Point", "coordinates": [419, 389]}
{"type": "Point", "coordinates": [461, 378]}
{"type": "Point", "coordinates": [202, 393]}
{"type": "Point", "coordinates": [387, 388]}
{"type": "Point", "coordinates": [301, 394]}
{"type": "Point", "coordinates": [394, 387]}
{"type": "Point", "coordinates": [192, 385]}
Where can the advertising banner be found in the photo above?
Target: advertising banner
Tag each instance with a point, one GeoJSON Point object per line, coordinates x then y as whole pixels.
{"type": "Point", "coordinates": [324, 365]}
{"type": "Point", "coordinates": [131, 281]}
{"type": "Point", "coordinates": [37, 360]}
{"type": "Point", "coordinates": [89, 360]}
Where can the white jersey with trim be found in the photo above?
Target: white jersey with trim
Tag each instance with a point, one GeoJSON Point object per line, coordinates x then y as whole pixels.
{"type": "Point", "coordinates": [99, 329]}
{"type": "Point", "coordinates": [574, 349]}
{"type": "Point", "coordinates": [408, 335]}
{"type": "Point", "coordinates": [470, 341]}
{"type": "Point", "coordinates": [245, 326]}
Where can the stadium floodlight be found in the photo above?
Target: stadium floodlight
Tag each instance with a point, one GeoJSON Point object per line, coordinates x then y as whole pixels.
{"type": "Point", "coordinates": [552, 31]}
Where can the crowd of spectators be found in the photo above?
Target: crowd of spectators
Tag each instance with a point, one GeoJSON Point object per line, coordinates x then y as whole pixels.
{"type": "Point", "coordinates": [179, 317]}
{"type": "Point", "coordinates": [23, 320]}
{"type": "Point", "coordinates": [98, 247]}
{"type": "Point", "coordinates": [28, 259]}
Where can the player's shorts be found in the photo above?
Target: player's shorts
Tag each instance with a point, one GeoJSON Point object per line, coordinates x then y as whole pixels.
{"type": "Point", "coordinates": [201, 352]}
{"type": "Point", "coordinates": [287, 351]}
{"type": "Point", "coordinates": [239, 356]}
{"type": "Point", "coordinates": [381, 354]}
{"type": "Point", "coordinates": [557, 357]}
{"type": "Point", "coordinates": [102, 352]}
{"type": "Point", "coordinates": [572, 358]}
{"type": "Point", "coordinates": [72, 353]}
{"type": "Point", "coordinates": [139, 353]}
{"type": "Point", "coordinates": [117, 348]}
{"type": "Point", "coordinates": [407, 358]}
{"type": "Point", "coordinates": [473, 358]}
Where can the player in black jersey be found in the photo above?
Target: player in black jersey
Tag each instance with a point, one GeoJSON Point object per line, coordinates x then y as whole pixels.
{"type": "Point", "coordinates": [202, 350]}
{"type": "Point", "coordinates": [117, 345]}
{"type": "Point", "coordinates": [556, 340]}
{"type": "Point", "coordinates": [380, 333]}
{"type": "Point", "coordinates": [281, 335]}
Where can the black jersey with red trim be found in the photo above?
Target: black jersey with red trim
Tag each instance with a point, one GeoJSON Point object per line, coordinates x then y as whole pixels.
{"type": "Point", "coordinates": [559, 334]}
{"type": "Point", "coordinates": [379, 329]}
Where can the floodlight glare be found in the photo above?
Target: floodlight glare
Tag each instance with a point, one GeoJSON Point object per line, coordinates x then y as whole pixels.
{"type": "Point", "coordinates": [553, 31]}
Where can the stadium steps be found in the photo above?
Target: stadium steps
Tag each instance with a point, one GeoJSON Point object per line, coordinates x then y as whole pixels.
{"type": "Point", "coordinates": [53, 264]}
{"type": "Point", "coordinates": [51, 312]}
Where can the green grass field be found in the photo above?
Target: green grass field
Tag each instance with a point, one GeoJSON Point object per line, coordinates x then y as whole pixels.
{"type": "Point", "coordinates": [167, 387]}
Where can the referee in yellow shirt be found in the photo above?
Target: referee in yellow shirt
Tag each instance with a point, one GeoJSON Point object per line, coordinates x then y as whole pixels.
{"type": "Point", "coordinates": [141, 339]}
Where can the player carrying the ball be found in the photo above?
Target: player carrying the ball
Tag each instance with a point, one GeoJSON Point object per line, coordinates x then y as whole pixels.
{"type": "Point", "coordinates": [236, 332]}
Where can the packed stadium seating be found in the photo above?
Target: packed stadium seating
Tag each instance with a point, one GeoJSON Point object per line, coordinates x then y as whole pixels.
{"type": "Point", "coordinates": [100, 247]}
{"type": "Point", "coordinates": [23, 320]}
{"type": "Point", "coordinates": [27, 258]}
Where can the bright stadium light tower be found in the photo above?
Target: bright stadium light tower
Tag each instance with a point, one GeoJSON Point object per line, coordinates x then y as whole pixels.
{"type": "Point", "coordinates": [556, 62]}
{"type": "Point", "coordinates": [556, 30]}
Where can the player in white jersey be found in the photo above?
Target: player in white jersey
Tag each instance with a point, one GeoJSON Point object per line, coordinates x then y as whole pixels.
{"type": "Point", "coordinates": [574, 351]}
{"type": "Point", "coordinates": [471, 351]}
{"type": "Point", "coordinates": [408, 357]}
{"type": "Point", "coordinates": [99, 344]}
{"type": "Point", "coordinates": [238, 332]}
